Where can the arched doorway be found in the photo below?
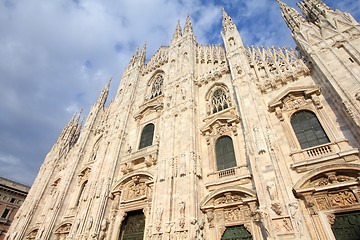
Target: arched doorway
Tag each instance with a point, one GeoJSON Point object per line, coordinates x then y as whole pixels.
{"type": "Point", "coordinates": [331, 195]}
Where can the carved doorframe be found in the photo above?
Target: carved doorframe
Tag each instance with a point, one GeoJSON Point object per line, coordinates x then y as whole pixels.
{"type": "Point", "coordinates": [230, 206]}
{"type": "Point", "coordinates": [132, 192]}
{"type": "Point", "coordinates": [326, 191]}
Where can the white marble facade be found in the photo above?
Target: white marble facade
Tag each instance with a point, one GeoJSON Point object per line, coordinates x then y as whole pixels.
{"type": "Point", "coordinates": [194, 95]}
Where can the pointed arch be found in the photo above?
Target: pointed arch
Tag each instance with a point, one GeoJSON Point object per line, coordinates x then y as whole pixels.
{"type": "Point", "coordinates": [218, 98]}
{"type": "Point", "coordinates": [32, 233]}
{"type": "Point", "coordinates": [63, 230]}
{"type": "Point", "coordinates": [155, 84]}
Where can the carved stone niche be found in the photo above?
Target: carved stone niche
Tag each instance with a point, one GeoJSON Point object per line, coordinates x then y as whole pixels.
{"type": "Point", "coordinates": [333, 187]}
{"type": "Point", "coordinates": [32, 234]}
{"type": "Point", "coordinates": [84, 174]}
{"type": "Point", "coordinates": [225, 122]}
{"type": "Point", "coordinates": [136, 186]}
{"type": "Point", "coordinates": [228, 206]}
{"type": "Point", "coordinates": [295, 98]}
{"type": "Point", "coordinates": [63, 231]}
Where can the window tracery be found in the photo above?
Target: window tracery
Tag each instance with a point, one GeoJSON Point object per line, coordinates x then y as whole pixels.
{"type": "Point", "coordinates": [157, 86]}
{"type": "Point", "coordinates": [219, 100]}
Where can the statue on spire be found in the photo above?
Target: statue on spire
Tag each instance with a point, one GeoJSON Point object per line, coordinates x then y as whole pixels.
{"type": "Point", "coordinates": [292, 17]}
{"type": "Point", "coordinates": [178, 31]}
{"type": "Point", "coordinates": [312, 9]}
{"type": "Point", "coordinates": [227, 22]}
{"type": "Point", "coordinates": [188, 29]}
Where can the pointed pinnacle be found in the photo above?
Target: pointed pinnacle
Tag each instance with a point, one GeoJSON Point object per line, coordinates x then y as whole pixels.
{"type": "Point", "coordinates": [178, 31]}
{"type": "Point", "coordinates": [224, 12]}
{"type": "Point", "coordinates": [188, 26]}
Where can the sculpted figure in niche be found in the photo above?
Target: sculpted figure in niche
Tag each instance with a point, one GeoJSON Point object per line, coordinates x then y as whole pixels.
{"type": "Point", "coordinates": [210, 218]}
{"type": "Point", "coordinates": [136, 188]}
{"type": "Point", "coordinates": [271, 188]}
{"type": "Point", "coordinates": [159, 214]}
{"type": "Point", "coordinates": [296, 218]}
{"type": "Point", "coordinates": [182, 208]}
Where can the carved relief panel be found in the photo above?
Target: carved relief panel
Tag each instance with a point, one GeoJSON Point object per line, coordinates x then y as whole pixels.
{"type": "Point", "coordinates": [224, 208]}
{"type": "Point", "coordinates": [136, 188]}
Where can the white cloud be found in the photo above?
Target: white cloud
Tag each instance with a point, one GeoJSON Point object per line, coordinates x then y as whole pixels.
{"type": "Point", "coordinates": [56, 56]}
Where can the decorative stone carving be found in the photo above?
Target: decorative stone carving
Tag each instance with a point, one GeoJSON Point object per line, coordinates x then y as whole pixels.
{"type": "Point", "coordinates": [157, 60]}
{"type": "Point", "coordinates": [272, 190]}
{"type": "Point", "coordinates": [295, 98]}
{"type": "Point", "coordinates": [351, 111]}
{"type": "Point", "coordinates": [228, 198]}
{"type": "Point", "coordinates": [259, 141]}
{"type": "Point", "coordinates": [331, 178]}
{"type": "Point", "coordinates": [276, 207]}
{"type": "Point", "coordinates": [182, 214]}
{"type": "Point", "coordinates": [275, 67]}
{"type": "Point", "coordinates": [234, 214]}
{"type": "Point", "coordinates": [136, 188]}
{"type": "Point", "coordinates": [158, 214]}
{"type": "Point", "coordinates": [283, 225]}
{"type": "Point", "coordinates": [210, 218]}
{"type": "Point", "coordinates": [331, 218]}
{"type": "Point", "coordinates": [342, 198]}
{"type": "Point", "coordinates": [296, 218]}
{"type": "Point", "coordinates": [84, 174]}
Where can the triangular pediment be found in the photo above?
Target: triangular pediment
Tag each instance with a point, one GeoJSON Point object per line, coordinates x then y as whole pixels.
{"type": "Point", "coordinates": [301, 90]}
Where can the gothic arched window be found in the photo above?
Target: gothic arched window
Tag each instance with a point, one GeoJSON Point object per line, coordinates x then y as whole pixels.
{"type": "Point", "coordinates": [157, 86]}
{"type": "Point", "coordinates": [225, 154]}
{"type": "Point", "coordinates": [219, 100]}
{"type": "Point", "coordinates": [147, 136]}
{"type": "Point", "coordinates": [308, 129]}
{"type": "Point", "coordinates": [81, 193]}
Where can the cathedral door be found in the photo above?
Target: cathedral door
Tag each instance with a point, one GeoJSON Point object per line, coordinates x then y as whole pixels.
{"type": "Point", "coordinates": [133, 226]}
{"type": "Point", "coordinates": [347, 226]}
{"type": "Point", "coordinates": [236, 233]}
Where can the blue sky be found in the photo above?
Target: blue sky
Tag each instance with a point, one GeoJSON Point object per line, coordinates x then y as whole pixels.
{"type": "Point", "coordinates": [56, 56]}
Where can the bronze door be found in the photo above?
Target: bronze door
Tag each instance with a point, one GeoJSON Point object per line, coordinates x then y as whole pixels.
{"type": "Point", "coordinates": [236, 233]}
{"type": "Point", "coordinates": [133, 226]}
{"type": "Point", "coordinates": [347, 226]}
